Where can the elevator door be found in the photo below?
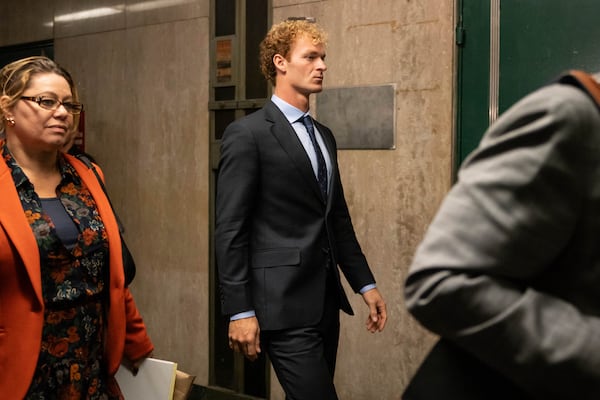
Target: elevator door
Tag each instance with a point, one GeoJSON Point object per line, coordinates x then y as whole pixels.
{"type": "Point", "coordinates": [507, 48]}
{"type": "Point", "coordinates": [9, 54]}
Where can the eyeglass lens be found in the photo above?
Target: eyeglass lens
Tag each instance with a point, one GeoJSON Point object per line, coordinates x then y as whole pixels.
{"type": "Point", "coordinates": [50, 103]}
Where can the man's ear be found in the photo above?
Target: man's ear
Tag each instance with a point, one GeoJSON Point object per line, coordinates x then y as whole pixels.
{"type": "Point", "coordinates": [280, 63]}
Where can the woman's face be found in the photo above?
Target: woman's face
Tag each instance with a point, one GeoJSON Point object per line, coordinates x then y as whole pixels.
{"type": "Point", "coordinates": [36, 127]}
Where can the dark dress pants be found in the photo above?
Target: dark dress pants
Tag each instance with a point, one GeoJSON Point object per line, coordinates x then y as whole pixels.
{"type": "Point", "coordinates": [304, 358]}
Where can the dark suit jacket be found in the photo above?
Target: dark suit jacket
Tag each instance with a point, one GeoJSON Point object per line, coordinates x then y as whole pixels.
{"type": "Point", "coordinates": [275, 235]}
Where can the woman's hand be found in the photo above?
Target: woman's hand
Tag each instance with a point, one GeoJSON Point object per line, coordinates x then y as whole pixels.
{"type": "Point", "coordinates": [134, 366]}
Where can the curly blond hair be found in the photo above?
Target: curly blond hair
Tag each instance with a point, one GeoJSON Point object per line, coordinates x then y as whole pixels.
{"type": "Point", "coordinates": [280, 38]}
{"type": "Point", "coordinates": [16, 76]}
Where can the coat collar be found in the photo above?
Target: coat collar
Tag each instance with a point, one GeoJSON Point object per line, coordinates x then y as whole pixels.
{"type": "Point", "coordinates": [14, 223]}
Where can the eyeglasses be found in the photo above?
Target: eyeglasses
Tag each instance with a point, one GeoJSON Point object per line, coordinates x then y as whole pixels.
{"type": "Point", "coordinates": [50, 103]}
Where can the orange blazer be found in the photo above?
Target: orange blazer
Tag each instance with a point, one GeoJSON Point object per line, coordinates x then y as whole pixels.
{"type": "Point", "coordinates": [21, 302]}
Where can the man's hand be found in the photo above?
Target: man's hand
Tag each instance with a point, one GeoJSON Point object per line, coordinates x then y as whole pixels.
{"type": "Point", "coordinates": [377, 312]}
{"type": "Point", "coordinates": [244, 337]}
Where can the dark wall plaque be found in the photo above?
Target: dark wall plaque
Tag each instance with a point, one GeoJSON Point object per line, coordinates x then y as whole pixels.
{"type": "Point", "coordinates": [360, 117]}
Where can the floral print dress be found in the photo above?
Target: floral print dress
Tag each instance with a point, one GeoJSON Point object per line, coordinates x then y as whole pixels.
{"type": "Point", "coordinates": [70, 365]}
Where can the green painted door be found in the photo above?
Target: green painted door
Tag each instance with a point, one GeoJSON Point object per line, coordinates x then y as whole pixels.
{"type": "Point", "coordinates": [507, 48]}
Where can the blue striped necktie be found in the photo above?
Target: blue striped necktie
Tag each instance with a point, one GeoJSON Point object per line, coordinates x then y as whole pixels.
{"type": "Point", "coordinates": [321, 166]}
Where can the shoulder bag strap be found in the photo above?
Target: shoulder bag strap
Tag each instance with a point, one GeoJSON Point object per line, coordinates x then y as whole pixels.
{"type": "Point", "coordinates": [129, 267]}
{"type": "Point", "coordinates": [86, 160]}
{"type": "Point", "coordinates": [584, 81]}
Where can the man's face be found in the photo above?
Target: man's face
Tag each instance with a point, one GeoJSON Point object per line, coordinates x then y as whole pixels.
{"type": "Point", "coordinates": [305, 66]}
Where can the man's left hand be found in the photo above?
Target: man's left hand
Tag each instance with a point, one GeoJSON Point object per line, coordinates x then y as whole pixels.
{"type": "Point", "coordinates": [377, 311]}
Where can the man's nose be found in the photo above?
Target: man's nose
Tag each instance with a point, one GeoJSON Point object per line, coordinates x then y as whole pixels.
{"type": "Point", "coordinates": [322, 64]}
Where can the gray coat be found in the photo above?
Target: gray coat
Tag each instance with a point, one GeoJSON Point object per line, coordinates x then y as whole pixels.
{"type": "Point", "coordinates": [509, 269]}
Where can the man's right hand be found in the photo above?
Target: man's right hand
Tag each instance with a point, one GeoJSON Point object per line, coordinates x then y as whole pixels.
{"type": "Point", "coordinates": [244, 337]}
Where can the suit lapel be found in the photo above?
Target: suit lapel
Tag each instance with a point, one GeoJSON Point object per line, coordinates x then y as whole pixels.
{"type": "Point", "coordinates": [14, 223]}
{"type": "Point", "coordinates": [287, 138]}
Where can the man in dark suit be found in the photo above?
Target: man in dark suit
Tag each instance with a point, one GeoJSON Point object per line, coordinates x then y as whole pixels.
{"type": "Point", "coordinates": [283, 227]}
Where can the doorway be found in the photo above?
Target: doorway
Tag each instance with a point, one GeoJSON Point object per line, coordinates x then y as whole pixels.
{"type": "Point", "coordinates": [9, 54]}
{"type": "Point", "coordinates": [237, 89]}
{"type": "Point", "coordinates": [508, 48]}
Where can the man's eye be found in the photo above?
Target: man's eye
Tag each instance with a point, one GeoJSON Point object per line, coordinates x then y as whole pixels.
{"type": "Point", "coordinates": [48, 102]}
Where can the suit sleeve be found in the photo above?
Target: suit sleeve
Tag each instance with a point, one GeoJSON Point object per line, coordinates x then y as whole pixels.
{"type": "Point", "coordinates": [236, 189]}
{"type": "Point", "coordinates": [477, 277]}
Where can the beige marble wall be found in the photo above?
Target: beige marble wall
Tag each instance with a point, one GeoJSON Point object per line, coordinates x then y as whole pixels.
{"type": "Point", "coordinates": [18, 24]}
{"type": "Point", "coordinates": [143, 73]}
{"type": "Point", "coordinates": [146, 118]}
{"type": "Point", "coordinates": [146, 89]}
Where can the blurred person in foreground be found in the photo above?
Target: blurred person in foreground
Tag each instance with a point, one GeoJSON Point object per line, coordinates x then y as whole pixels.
{"type": "Point", "coordinates": [283, 226]}
{"type": "Point", "coordinates": [67, 321]}
{"type": "Point", "coordinates": [508, 273]}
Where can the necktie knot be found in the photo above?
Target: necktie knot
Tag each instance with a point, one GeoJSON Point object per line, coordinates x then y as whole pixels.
{"type": "Point", "coordinates": [307, 121]}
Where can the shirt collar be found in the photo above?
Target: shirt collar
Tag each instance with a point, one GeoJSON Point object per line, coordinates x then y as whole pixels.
{"type": "Point", "coordinates": [66, 170]}
{"type": "Point", "coordinates": [291, 113]}
{"type": "Point", "coordinates": [17, 173]}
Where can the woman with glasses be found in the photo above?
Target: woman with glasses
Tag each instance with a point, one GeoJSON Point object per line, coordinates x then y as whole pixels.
{"type": "Point", "coordinates": [67, 321]}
